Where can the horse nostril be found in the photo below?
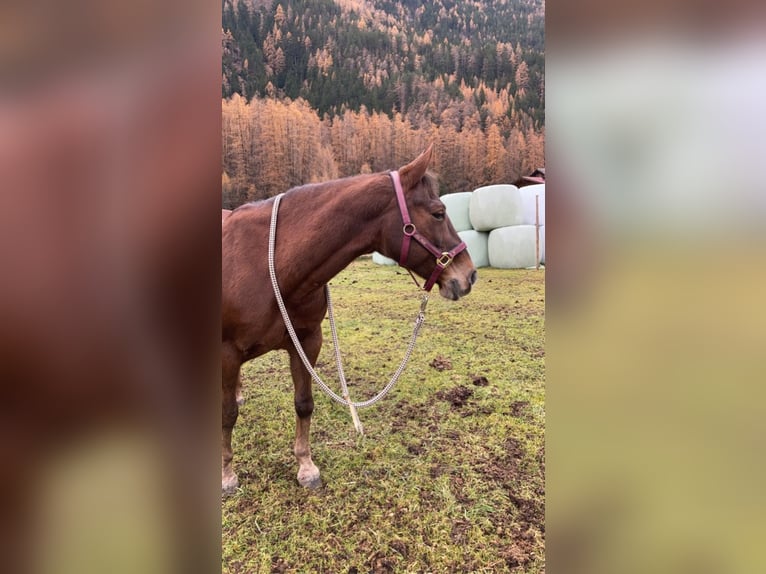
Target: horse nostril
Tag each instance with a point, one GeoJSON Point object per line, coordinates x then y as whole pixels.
{"type": "Point", "coordinates": [455, 288]}
{"type": "Point", "coordinates": [474, 277]}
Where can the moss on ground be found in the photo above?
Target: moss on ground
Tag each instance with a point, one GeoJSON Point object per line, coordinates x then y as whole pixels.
{"type": "Point", "coordinates": [450, 474]}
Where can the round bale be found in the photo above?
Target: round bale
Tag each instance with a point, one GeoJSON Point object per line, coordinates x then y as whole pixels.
{"type": "Point", "coordinates": [528, 194]}
{"type": "Point", "coordinates": [457, 205]}
{"type": "Point", "coordinates": [495, 206]}
{"type": "Point", "coordinates": [476, 244]}
{"type": "Point", "coordinates": [512, 247]}
{"type": "Point", "coordinates": [381, 259]}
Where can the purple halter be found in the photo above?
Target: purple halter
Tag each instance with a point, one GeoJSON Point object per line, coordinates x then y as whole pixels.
{"type": "Point", "coordinates": [443, 258]}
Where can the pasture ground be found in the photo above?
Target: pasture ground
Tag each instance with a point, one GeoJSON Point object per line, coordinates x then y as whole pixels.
{"type": "Point", "coordinates": [450, 475]}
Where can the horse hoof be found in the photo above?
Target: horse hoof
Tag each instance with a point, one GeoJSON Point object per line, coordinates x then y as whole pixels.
{"type": "Point", "coordinates": [312, 481]}
{"type": "Point", "coordinates": [240, 400]}
{"type": "Point", "coordinates": [229, 485]}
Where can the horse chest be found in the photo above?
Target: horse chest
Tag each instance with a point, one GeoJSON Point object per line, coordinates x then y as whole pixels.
{"type": "Point", "coordinates": [270, 332]}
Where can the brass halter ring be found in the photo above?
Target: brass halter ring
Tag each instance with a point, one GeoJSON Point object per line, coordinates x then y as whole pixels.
{"type": "Point", "coordinates": [444, 260]}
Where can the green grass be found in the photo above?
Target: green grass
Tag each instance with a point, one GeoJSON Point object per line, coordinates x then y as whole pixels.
{"type": "Point", "coordinates": [440, 482]}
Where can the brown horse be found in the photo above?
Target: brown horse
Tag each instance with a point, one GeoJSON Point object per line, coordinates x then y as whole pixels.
{"type": "Point", "coordinates": [321, 229]}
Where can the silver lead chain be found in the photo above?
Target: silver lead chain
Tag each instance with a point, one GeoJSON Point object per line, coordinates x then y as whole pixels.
{"type": "Point", "coordinates": [344, 400]}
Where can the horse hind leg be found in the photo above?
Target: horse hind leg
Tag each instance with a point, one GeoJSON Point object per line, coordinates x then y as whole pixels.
{"type": "Point", "coordinates": [230, 365]}
{"type": "Point", "coordinates": [308, 473]}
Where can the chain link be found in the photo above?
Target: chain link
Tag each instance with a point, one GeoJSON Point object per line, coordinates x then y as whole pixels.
{"type": "Point", "coordinates": [419, 320]}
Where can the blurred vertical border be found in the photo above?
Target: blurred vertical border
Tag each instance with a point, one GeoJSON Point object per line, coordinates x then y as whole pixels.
{"type": "Point", "coordinates": [109, 286]}
{"type": "Point", "coordinates": [656, 322]}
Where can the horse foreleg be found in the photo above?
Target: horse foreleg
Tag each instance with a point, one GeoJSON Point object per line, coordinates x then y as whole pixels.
{"type": "Point", "coordinates": [230, 364]}
{"type": "Point", "coordinates": [308, 473]}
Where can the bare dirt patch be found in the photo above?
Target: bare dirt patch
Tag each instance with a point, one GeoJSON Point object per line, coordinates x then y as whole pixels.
{"type": "Point", "coordinates": [457, 396]}
{"type": "Point", "coordinates": [519, 408]}
{"type": "Point", "coordinates": [381, 564]}
{"type": "Point", "coordinates": [441, 363]}
{"type": "Point", "coordinates": [505, 469]}
{"type": "Point", "coordinates": [479, 381]}
{"type": "Point", "coordinates": [522, 532]}
{"type": "Point", "coordinates": [405, 412]}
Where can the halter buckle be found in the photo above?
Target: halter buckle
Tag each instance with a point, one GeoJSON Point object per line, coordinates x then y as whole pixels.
{"type": "Point", "coordinates": [409, 229]}
{"type": "Point", "coordinates": [444, 260]}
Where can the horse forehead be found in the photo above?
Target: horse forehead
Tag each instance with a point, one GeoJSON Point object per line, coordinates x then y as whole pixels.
{"type": "Point", "coordinates": [425, 195]}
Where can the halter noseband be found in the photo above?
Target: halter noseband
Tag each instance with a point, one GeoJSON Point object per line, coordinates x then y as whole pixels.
{"type": "Point", "coordinates": [443, 258]}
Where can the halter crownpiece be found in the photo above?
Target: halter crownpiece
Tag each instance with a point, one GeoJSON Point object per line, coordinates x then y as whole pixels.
{"type": "Point", "coordinates": [443, 258]}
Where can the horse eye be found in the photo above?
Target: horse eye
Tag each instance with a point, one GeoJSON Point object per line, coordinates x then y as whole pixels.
{"type": "Point", "coordinates": [439, 215]}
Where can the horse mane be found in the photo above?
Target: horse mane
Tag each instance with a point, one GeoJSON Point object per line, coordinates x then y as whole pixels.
{"type": "Point", "coordinates": [430, 178]}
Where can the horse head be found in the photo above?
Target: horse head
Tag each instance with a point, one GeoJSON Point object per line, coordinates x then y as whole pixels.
{"type": "Point", "coordinates": [429, 245]}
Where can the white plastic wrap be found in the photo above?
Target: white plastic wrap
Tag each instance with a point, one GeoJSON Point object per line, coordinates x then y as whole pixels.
{"type": "Point", "coordinates": [457, 205]}
{"type": "Point", "coordinates": [476, 242]}
{"type": "Point", "coordinates": [512, 247]}
{"type": "Point", "coordinates": [495, 206]}
{"type": "Point", "coordinates": [381, 259]}
{"type": "Point", "coordinates": [528, 194]}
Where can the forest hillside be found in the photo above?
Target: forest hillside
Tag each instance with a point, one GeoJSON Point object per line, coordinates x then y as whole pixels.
{"type": "Point", "coordinates": [320, 89]}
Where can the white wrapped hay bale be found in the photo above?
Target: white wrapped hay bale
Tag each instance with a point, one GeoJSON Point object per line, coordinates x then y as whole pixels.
{"type": "Point", "coordinates": [528, 194]}
{"type": "Point", "coordinates": [457, 205]}
{"type": "Point", "coordinates": [542, 244]}
{"type": "Point", "coordinates": [476, 243]}
{"type": "Point", "coordinates": [495, 206]}
{"type": "Point", "coordinates": [381, 259]}
{"type": "Point", "coordinates": [512, 247]}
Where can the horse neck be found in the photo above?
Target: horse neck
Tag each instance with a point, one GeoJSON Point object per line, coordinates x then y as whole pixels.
{"type": "Point", "coordinates": [330, 226]}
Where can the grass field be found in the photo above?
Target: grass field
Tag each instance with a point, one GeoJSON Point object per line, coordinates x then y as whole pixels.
{"type": "Point", "coordinates": [449, 476]}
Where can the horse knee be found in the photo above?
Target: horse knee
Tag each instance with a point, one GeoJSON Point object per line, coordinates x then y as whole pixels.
{"type": "Point", "coordinates": [304, 407]}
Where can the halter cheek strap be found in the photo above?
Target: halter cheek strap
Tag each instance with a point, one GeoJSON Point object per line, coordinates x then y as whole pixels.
{"type": "Point", "coordinates": [443, 258]}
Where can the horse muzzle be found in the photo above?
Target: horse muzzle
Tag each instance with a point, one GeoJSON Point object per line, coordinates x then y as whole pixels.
{"type": "Point", "coordinates": [454, 287]}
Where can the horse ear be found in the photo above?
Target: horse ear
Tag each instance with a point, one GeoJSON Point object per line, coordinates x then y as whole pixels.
{"type": "Point", "coordinates": [411, 173]}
